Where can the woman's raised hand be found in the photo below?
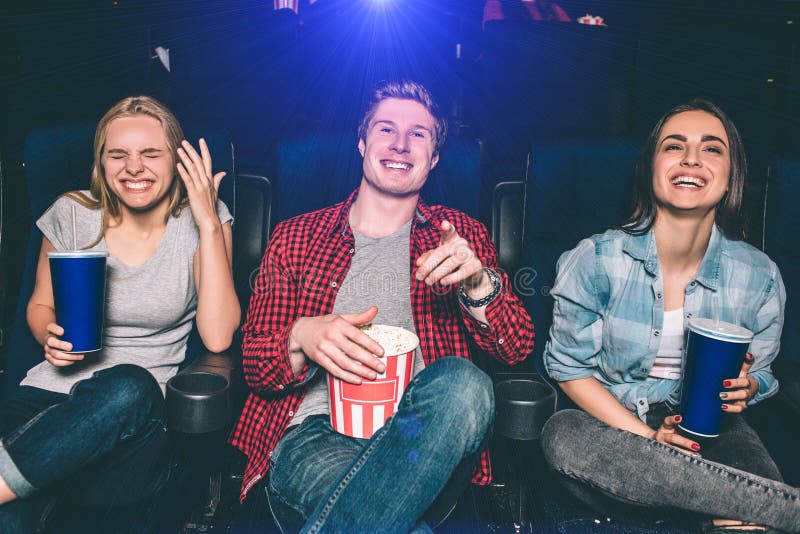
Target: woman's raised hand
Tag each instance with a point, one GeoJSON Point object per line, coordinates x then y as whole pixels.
{"type": "Point", "coordinates": [667, 433]}
{"type": "Point", "coordinates": [54, 348]}
{"type": "Point", "coordinates": [740, 389]}
{"type": "Point", "coordinates": [202, 185]}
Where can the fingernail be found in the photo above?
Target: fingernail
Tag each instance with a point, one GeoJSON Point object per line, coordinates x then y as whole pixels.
{"type": "Point", "coordinates": [678, 418]}
{"type": "Point", "coordinates": [724, 406]}
{"type": "Point", "coordinates": [749, 357]}
{"type": "Point", "coordinates": [695, 446]}
{"type": "Point", "coordinates": [726, 383]}
{"type": "Point", "coordinates": [723, 395]}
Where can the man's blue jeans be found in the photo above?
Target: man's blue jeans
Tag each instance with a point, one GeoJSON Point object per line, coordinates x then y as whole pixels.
{"type": "Point", "coordinates": [322, 481]}
{"type": "Point", "coordinates": [103, 445]}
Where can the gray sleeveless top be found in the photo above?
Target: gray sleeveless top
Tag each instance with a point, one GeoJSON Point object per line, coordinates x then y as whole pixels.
{"type": "Point", "coordinates": [149, 307]}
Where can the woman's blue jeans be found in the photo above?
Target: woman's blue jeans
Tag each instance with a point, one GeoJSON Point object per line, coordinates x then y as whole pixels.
{"type": "Point", "coordinates": [624, 474]}
{"type": "Point", "coordinates": [103, 445]}
{"type": "Point", "coordinates": [322, 481]}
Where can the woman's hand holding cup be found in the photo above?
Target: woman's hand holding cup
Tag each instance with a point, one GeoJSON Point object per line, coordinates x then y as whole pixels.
{"type": "Point", "coordinates": [54, 348]}
{"type": "Point", "coordinates": [668, 434]}
{"type": "Point", "coordinates": [741, 389]}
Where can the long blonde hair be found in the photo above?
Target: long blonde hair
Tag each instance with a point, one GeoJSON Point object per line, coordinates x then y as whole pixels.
{"type": "Point", "coordinates": [103, 197]}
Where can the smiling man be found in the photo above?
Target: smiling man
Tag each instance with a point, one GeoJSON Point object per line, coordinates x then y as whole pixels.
{"type": "Point", "coordinates": [381, 256]}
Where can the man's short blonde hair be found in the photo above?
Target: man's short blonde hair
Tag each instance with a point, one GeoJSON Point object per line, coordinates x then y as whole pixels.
{"type": "Point", "coordinates": [405, 90]}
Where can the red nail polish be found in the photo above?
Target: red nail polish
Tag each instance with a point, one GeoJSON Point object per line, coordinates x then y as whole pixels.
{"type": "Point", "coordinates": [678, 418]}
{"type": "Point", "coordinates": [695, 447]}
{"type": "Point", "coordinates": [724, 406]}
{"type": "Point", "coordinates": [726, 383]}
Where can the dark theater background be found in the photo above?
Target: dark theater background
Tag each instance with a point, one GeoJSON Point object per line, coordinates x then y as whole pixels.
{"type": "Point", "coordinates": [268, 75]}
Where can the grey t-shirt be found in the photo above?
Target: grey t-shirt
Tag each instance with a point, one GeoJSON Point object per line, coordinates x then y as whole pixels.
{"type": "Point", "coordinates": [380, 275]}
{"type": "Point", "coordinates": [149, 307]}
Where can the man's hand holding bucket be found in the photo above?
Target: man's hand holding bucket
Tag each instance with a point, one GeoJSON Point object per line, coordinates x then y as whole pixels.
{"type": "Point", "coordinates": [335, 343]}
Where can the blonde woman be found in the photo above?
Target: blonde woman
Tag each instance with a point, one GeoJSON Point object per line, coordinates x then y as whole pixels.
{"type": "Point", "coordinates": [94, 423]}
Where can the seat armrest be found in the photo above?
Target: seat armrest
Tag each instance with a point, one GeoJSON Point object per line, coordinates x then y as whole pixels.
{"type": "Point", "coordinates": [198, 399]}
{"type": "Point", "coordinates": [508, 207]}
{"type": "Point", "coordinates": [221, 363]}
{"type": "Point", "coordinates": [523, 403]}
{"type": "Point", "coordinates": [251, 231]}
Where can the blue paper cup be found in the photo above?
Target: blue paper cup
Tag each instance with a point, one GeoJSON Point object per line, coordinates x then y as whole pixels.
{"type": "Point", "coordinates": [715, 352]}
{"type": "Point", "coordinates": [79, 292]}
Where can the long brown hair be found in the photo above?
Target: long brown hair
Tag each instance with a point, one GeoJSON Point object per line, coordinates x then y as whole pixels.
{"type": "Point", "coordinates": [103, 198]}
{"type": "Point", "coordinates": [729, 216]}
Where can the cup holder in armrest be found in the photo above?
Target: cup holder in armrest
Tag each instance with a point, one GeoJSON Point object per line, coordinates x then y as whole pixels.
{"type": "Point", "coordinates": [523, 406]}
{"type": "Point", "coordinates": [198, 402]}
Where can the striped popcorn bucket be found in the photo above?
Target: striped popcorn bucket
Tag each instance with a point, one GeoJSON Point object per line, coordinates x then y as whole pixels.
{"type": "Point", "coordinates": [361, 410]}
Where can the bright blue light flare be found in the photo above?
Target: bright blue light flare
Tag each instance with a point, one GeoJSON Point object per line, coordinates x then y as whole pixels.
{"type": "Point", "coordinates": [380, 6]}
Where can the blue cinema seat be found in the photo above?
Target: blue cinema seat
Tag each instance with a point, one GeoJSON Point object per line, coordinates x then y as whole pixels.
{"type": "Point", "coordinates": [573, 191]}
{"type": "Point", "coordinates": [58, 159]}
{"type": "Point", "coordinates": [781, 243]}
{"type": "Point", "coordinates": [781, 228]}
{"type": "Point", "coordinates": [314, 172]}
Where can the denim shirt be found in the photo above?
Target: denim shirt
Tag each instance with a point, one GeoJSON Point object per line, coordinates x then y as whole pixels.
{"type": "Point", "coordinates": [609, 312]}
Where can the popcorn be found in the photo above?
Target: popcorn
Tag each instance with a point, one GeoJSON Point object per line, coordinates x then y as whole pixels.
{"type": "Point", "coordinates": [393, 339]}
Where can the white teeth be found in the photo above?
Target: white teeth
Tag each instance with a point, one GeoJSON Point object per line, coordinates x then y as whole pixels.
{"type": "Point", "coordinates": [688, 180]}
{"type": "Point", "coordinates": [396, 165]}
{"type": "Point", "coordinates": [137, 185]}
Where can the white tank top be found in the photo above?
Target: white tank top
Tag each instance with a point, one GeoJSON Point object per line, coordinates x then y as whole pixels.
{"type": "Point", "coordinates": [670, 353]}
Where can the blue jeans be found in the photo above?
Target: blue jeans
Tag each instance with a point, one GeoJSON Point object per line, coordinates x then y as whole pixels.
{"type": "Point", "coordinates": [103, 445]}
{"type": "Point", "coordinates": [322, 481]}
{"type": "Point", "coordinates": [621, 473]}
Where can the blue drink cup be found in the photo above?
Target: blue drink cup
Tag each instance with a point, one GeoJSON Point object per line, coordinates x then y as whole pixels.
{"type": "Point", "coordinates": [79, 292]}
{"type": "Point", "coordinates": [715, 352]}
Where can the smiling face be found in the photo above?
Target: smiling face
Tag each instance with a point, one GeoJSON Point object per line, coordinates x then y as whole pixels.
{"type": "Point", "coordinates": [137, 163]}
{"type": "Point", "coordinates": [692, 163]}
{"type": "Point", "coordinates": [398, 148]}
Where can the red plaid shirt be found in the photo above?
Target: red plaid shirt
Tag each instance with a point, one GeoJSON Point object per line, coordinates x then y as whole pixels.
{"type": "Point", "coordinates": [305, 264]}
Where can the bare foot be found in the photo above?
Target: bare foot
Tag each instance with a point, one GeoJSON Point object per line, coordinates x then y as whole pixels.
{"type": "Point", "coordinates": [735, 524]}
{"type": "Point", "coordinates": [6, 495]}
